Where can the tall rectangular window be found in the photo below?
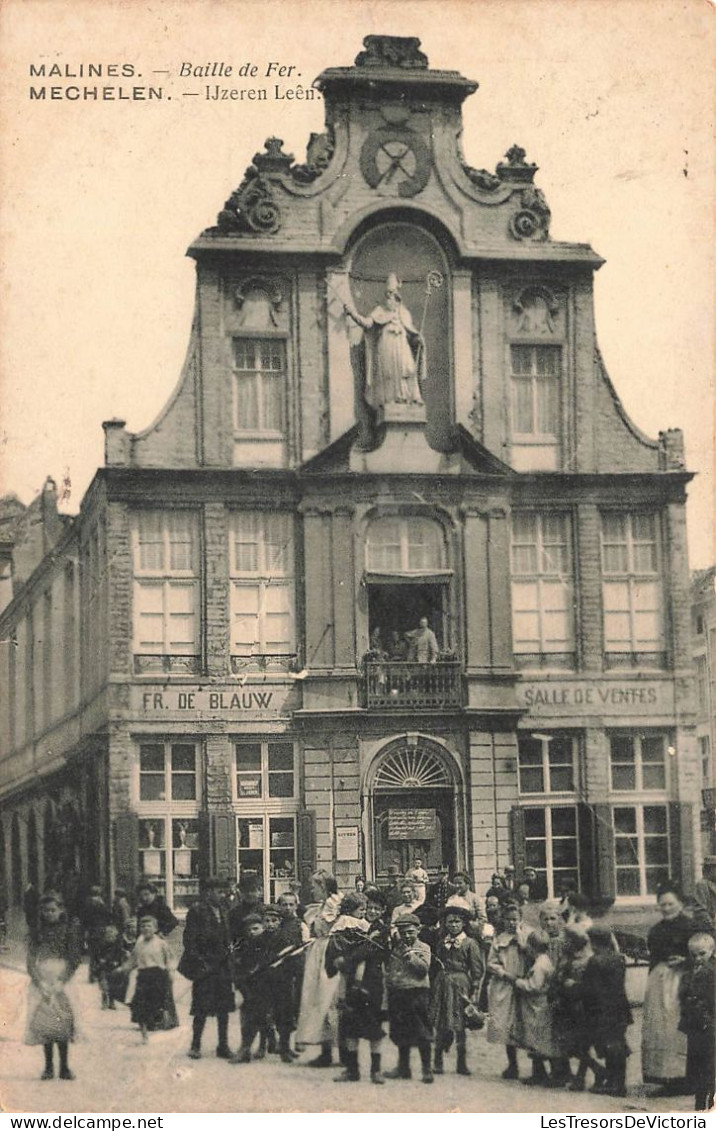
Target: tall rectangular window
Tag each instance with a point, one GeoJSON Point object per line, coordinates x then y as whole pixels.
{"type": "Point", "coordinates": [641, 847]}
{"type": "Point", "coordinates": [166, 793]}
{"type": "Point", "coordinates": [547, 763]}
{"type": "Point", "coordinates": [551, 845]}
{"type": "Point", "coordinates": [542, 590]}
{"type": "Point", "coordinates": [535, 381]}
{"type": "Point", "coordinates": [259, 384]}
{"type": "Point", "coordinates": [638, 762]}
{"type": "Point", "coordinates": [166, 592]}
{"type": "Point", "coordinates": [262, 588]}
{"type": "Point", "coordinates": [632, 590]}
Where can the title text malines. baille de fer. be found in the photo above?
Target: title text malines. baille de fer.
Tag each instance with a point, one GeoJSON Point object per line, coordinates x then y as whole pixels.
{"type": "Point", "coordinates": [287, 89]}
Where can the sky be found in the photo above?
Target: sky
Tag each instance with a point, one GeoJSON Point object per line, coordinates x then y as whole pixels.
{"type": "Point", "coordinates": [611, 98]}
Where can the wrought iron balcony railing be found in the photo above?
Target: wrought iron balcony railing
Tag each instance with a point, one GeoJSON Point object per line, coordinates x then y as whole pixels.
{"type": "Point", "coordinates": [402, 684]}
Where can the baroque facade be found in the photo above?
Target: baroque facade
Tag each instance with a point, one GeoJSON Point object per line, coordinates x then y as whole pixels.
{"type": "Point", "coordinates": [392, 575]}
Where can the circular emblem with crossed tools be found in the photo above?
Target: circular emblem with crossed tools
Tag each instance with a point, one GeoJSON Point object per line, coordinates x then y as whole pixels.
{"type": "Point", "coordinates": [396, 162]}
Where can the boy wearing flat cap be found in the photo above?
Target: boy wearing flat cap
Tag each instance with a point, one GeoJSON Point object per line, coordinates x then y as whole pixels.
{"type": "Point", "coordinates": [408, 982]}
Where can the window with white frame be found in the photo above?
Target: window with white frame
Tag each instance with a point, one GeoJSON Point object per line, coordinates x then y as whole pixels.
{"type": "Point", "coordinates": [166, 591]}
{"type": "Point", "coordinates": [265, 769]}
{"type": "Point", "coordinates": [266, 792]}
{"type": "Point", "coordinates": [266, 846]}
{"type": "Point", "coordinates": [262, 588]}
{"type": "Point", "coordinates": [546, 763]}
{"type": "Point", "coordinates": [405, 544]}
{"type": "Point", "coordinates": [536, 374]}
{"type": "Point", "coordinates": [167, 800]}
{"type": "Point", "coordinates": [641, 848]}
{"type": "Point", "coordinates": [638, 762]}
{"type": "Point", "coordinates": [542, 590]}
{"type": "Point", "coordinates": [552, 845]}
{"type": "Point", "coordinates": [259, 385]}
{"type": "Point", "coordinates": [632, 590]}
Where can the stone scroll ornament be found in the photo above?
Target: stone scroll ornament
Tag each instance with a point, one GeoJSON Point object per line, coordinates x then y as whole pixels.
{"type": "Point", "coordinates": [532, 220]}
{"type": "Point", "coordinates": [251, 207]}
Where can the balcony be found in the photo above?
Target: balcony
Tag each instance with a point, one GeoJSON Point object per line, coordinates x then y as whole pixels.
{"type": "Point", "coordinates": [395, 686]}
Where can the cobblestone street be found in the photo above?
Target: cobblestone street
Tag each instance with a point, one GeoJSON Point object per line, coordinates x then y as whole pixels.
{"type": "Point", "coordinates": [115, 1073]}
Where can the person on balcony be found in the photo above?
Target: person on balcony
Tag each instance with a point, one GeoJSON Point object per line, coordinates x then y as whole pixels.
{"type": "Point", "coordinates": [423, 644]}
{"type": "Point", "coordinates": [397, 648]}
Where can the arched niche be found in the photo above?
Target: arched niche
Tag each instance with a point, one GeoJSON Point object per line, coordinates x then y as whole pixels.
{"type": "Point", "coordinates": [407, 249]}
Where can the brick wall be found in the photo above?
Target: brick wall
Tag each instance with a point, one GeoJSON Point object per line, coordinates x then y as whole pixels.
{"type": "Point", "coordinates": [216, 589]}
{"type": "Point", "coordinates": [119, 580]}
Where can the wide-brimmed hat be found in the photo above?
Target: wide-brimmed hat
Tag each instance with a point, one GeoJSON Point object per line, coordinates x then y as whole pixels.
{"type": "Point", "coordinates": [455, 909]}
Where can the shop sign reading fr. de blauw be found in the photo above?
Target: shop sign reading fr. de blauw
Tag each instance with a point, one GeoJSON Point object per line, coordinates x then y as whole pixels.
{"type": "Point", "coordinates": [197, 700]}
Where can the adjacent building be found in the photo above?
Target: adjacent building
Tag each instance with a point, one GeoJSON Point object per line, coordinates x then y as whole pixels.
{"type": "Point", "coordinates": [703, 625]}
{"type": "Point", "coordinates": [392, 575]}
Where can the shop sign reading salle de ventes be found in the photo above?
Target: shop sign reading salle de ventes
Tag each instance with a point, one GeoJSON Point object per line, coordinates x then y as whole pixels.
{"type": "Point", "coordinates": [597, 697]}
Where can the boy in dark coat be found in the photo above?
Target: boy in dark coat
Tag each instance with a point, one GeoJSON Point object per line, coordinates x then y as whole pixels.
{"type": "Point", "coordinates": [110, 955]}
{"type": "Point", "coordinates": [290, 941]}
{"type": "Point", "coordinates": [696, 996]}
{"type": "Point", "coordinates": [206, 962]}
{"type": "Point", "coordinates": [250, 961]}
{"type": "Point", "coordinates": [606, 1009]}
{"type": "Point", "coordinates": [408, 982]}
{"type": "Point", "coordinates": [95, 917]}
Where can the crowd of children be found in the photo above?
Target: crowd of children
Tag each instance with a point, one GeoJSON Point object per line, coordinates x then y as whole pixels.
{"type": "Point", "coordinates": [341, 969]}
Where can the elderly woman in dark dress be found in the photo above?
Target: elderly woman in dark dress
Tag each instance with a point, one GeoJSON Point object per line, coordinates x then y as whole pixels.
{"type": "Point", "coordinates": [663, 1055]}
{"type": "Point", "coordinates": [206, 962]}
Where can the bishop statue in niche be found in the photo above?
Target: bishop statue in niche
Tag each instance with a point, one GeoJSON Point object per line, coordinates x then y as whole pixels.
{"type": "Point", "coordinates": [394, 357]}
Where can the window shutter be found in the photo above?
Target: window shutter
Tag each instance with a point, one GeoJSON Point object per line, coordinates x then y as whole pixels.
{"type": "Point", "coordinates": [681, 844]}
{"type": "Point", "coordinates": [223, 836]}
{"type": "Point", "coordinates": [306, 844]}
{"type": "Point", "coordinates": [204, 820]}
{"type": "Point", "coordinates": [517, 836]}
{"type": "Point", "coordinates": [217, 845]}
{"type": "Point", "coordinates": [126, 850]}
{"type": "Point", "coordinates": [586, 833]}
{"type": "Point", "coordinates": [604, 836]}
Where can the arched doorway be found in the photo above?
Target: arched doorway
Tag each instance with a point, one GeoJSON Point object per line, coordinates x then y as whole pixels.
{"type": "Point", "coordinates": [415, 808]}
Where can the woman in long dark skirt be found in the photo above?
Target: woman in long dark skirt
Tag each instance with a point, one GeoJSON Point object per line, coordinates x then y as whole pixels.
{"type": "Point", "coordinates": [663, 1055]}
